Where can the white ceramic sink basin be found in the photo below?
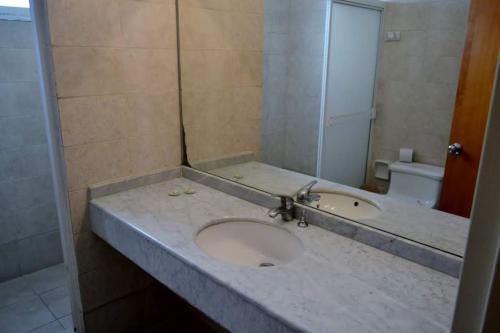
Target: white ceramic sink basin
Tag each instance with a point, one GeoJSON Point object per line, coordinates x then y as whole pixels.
{"type": "Point", "coordinates": [346, 205]}
{"type": "Point", "coordinates": [249, 242]}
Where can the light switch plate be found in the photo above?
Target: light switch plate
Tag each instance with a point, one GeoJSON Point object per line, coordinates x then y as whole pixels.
{"type": "Point", "coordinates": [392, 36]}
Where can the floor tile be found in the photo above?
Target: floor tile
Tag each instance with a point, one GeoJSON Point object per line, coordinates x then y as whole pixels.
{"type": "Point", "coordinates": [48, 278]}
{"type": "Point", "coordinates": [16, 290]}
{"type": "Point", "coordinates": [66, 322]}
{"type": "Point", "coordinates": [53, 327]}
{"type": "Point", "coordinates": [57, 301]}
{"type": "Point", "coordinates": [24, 316]}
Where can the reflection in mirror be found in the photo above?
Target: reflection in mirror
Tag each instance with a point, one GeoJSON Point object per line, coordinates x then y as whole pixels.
{"type": "Point", "coordinates": [359, 95]}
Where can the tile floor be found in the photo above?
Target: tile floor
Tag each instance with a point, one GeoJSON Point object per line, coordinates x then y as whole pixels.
{"type": "Point", "coordinates": [36, 303]}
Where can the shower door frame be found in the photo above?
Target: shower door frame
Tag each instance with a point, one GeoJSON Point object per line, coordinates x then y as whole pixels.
{"type": "Point", "coordinates": [47, 84]}
{"type": "Point", "coordinates": [368, 4]}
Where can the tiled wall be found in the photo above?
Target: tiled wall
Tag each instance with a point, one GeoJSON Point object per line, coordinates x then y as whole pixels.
{"type": "Point", "coordinates": [221, 65]}
{"type": "Point", "coordinates": [117, 87]}
{"type": "Point", "coordinates": [29, 235]}
{"type": "Point", "coordinates": [418, 78]}
{"type": "Point", "coordinates": [274, 107]}
{"type": "Point", "coordinates": [294, 49]}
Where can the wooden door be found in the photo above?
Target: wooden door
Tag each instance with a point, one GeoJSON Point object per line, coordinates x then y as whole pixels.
{"type": "Point", "coordinates": [477, 78]}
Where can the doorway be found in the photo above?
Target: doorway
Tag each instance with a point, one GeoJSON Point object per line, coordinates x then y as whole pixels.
{"type": "Point", "coordinates": [349, 83]}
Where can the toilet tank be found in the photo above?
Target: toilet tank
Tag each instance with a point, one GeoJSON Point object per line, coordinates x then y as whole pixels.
{"type": "Point", "coordinates": [417, 183]}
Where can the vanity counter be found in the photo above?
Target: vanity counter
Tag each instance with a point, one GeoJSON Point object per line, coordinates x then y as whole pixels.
{"type": "Point", "coordinates": [431, 227]}
{"type": "Point", "coordinates": [336, 285]}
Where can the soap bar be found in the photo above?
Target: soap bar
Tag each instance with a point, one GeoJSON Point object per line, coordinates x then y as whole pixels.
{"type": "Point", "coordinates": [174, 193]}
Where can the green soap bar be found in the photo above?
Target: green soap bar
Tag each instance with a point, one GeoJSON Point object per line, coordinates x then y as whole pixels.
{"type": "Point", "coordinates": [174, 193]}
{"type": "Point", "coordinates": [238, 177]}
{"type": "Point", "coordinates": [189, 191]}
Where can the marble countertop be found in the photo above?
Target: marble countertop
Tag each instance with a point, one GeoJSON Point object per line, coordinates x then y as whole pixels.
{"type": "Point", "coordinates": [336, 285]}
{"type": "Point", "coordinates": [431, 227]}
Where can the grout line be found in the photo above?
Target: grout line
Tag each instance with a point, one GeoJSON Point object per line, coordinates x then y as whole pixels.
{"type": "Point", "coordinates": [47, 307]}
{"type": "Point", "coordinates": [48, 290]}
{"type": "Point", "coordinates": [31, 298]}
{"type": "Point", "coordinates": [50, 322]}
{"type": "Point", "coordinates": [25, 238]}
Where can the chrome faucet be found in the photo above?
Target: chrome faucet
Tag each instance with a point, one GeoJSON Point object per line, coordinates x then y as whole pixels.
{"type": "Point", "coordinates": [285, 210]}
{"type": "Point", "coordinates": [304, 195]}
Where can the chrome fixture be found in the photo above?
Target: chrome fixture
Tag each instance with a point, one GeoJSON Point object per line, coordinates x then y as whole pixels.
{"type": "Point", "coordinates": [455, 149]}
{"type": "Point", "coordinates": [304, 195]}
{"type": "Point", "coordinates": [302, 221]}
{"type": "Point", "coordinates": [285, 210]}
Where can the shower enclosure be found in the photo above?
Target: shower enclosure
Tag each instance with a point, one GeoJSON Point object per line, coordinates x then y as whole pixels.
{"type": "Point", "coordinates": [29, 232]}
{"type": "Point", "coordinates": [34, 293]}
{"type": "Point", "coordinates": [311, 100]}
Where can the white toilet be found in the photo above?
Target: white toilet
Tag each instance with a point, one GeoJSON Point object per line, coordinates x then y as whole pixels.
{"type": "Point", "coordinates": [416, 183]}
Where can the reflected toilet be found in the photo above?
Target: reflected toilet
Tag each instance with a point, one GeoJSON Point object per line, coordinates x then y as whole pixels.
{"type": "Point", "coordinates": [416, 183]}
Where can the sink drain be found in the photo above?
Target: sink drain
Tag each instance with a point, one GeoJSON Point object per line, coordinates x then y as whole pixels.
{"type": "Point", "coordinates": [266, 264]}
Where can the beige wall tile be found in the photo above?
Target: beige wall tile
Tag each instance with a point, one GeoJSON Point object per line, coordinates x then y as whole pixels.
{"type": "Point", "coordinates": [148, 24]}
{"type": "Point", "coordinates": [204, 108]}
{"type": "Point", "coordinates": [203, 29]}
{"type": "Point", "coordinates": [103, 71]}
{"type": "Point", "coordinates": [113, 23]}
{"type": "Point", "coordinates": [247, 103]}
{"type": "Point", "coordinates": [117, 83]}
{"type": "Point", "coordinates": [88, 71]}
{"type": "Point", "coordinates": [207, 4]}
{"type": "Point", "coordinates": [78, 201]}
{"type": "Point", "coordinates": [203, 69]}
{"type": "Point", "coordinates": [95, 118]}
{"type": "Point", "coordinates": [246, 68]}
{"type": "Point", "coordinates": [154, 151]}
{"type": "Point", "coordinates": [221, 74]}
{"type": "Point", "coordinates": [96, 162]}
{"type": "Point", "coordinates": [83, 23]}
{"type": "Point", "coordinates": [245, 31]}
{"type": "Point", "coordinates": [154, 113]}
{"type": "Point", "coordinates": [151, 71]}
{"type": "Point", "coordinates": [249, 6]}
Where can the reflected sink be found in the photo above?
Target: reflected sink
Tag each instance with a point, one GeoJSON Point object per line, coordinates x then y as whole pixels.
{"type": "Point", "coordinates": [346, 205]}
{"type": "Point", "coordinates": [249, 242]}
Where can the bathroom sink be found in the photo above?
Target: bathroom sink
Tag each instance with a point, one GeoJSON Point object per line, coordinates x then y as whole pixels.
{"type": "Point", "coordinates": [346, 205]}
{"type": "Point", "coordinates": [249, 242]}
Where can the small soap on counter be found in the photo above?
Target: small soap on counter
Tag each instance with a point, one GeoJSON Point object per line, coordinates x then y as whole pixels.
{"type": "Point", "coordinates": [237, 176]}
{"type": "Point", "coordinates": [174, 193]}
{"type": "Point", "coordinates": [189, 191]}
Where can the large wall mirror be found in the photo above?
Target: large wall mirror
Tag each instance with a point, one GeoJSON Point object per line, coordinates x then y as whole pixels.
{"type": "Point", "coordinates": [356, 95]}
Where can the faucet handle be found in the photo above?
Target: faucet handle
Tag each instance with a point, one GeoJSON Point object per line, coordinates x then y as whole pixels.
{"type": "Point", "coordinates": [286, 200]}
{"type": "Point", "coordinates": [308, 186]}
{"type": "Point", "coordinates": [304, 191]}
